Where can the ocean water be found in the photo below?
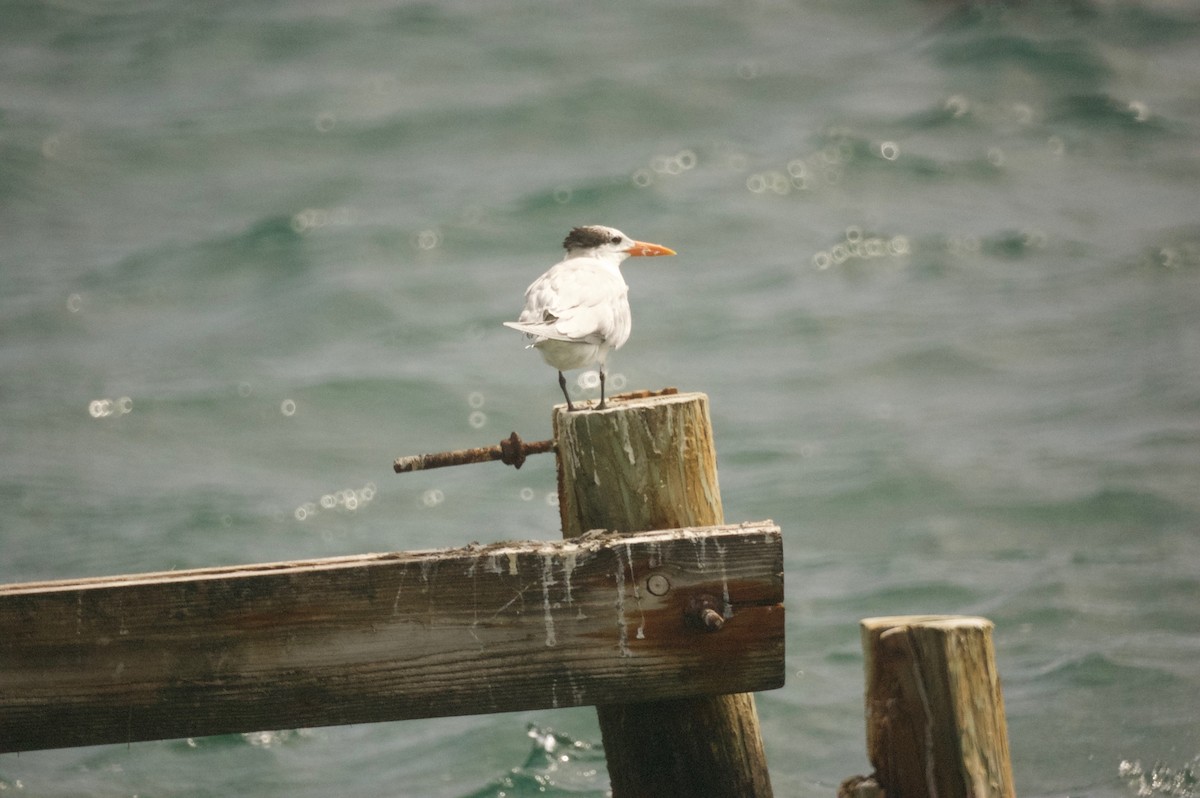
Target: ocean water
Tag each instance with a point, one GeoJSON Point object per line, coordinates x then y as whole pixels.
{"type": "Point", "coordinates": [938, 272]}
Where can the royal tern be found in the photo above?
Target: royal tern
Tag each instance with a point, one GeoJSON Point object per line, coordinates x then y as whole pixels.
{"type": "Point", "coordinates": [578, 311]}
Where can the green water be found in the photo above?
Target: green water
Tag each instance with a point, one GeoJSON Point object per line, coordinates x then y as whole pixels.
{"type": "Point", "coordinates": [938, 271]}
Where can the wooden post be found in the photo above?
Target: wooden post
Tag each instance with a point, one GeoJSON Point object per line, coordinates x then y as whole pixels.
{"type": "Point", "coordinates": [642, 464]}
{"type": "Point", "coordinates": [935, 712]}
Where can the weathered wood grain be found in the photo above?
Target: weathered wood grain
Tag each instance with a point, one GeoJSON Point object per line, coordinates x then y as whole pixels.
{"type": "Point", "coordinates": [387, 637]}
{"type": "Point", "coordinates": [935, 711]}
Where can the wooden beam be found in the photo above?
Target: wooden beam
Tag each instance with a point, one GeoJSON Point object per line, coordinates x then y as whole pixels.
{"type": "Point", "coordinates": [935, 712]}
{"type": "Point", "coordinates": [650, 463]}
{"type": "Point", "coordinates": [378, 637]}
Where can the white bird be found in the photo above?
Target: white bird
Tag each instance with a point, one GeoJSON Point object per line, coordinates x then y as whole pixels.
{"type": "Point", "coordinates": [578, 311]}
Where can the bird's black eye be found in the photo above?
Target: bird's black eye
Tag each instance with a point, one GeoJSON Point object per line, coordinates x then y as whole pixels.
{"type": "Point", "coordinates": [616, 239]}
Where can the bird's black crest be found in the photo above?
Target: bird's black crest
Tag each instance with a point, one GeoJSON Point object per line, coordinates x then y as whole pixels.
{"type": "Point", "coordinates": [586, 238]}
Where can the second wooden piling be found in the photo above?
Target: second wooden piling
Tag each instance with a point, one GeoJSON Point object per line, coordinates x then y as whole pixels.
{"type": "Point", "coordinates": [646, 464]}
{"type": "Point", "coordinates": [935, 712]}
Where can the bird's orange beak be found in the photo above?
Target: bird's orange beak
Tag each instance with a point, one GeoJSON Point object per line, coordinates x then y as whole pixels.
{"type": "Point", "coordinates": [641, 248]}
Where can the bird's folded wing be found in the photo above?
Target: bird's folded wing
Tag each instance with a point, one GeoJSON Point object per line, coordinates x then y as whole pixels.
{"type": "Point", "coordinates": [573, 304]}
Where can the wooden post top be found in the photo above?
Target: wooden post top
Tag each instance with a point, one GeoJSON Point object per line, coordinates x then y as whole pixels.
{"type": "Point", "coordinates": [636, 399]}
{"type": "Point", "coordinates": [885, 622]}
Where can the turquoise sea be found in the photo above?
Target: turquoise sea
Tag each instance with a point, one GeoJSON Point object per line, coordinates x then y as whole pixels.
{"type": "Point", "coordinates": [938, 272]}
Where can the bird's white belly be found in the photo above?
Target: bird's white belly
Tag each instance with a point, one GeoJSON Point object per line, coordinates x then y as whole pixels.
{"type": "Point", "coordinates": [567, 355]}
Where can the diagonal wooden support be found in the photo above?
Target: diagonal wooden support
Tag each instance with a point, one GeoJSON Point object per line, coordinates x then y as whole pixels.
{"type": "Point", "coordinates": [594, 620]}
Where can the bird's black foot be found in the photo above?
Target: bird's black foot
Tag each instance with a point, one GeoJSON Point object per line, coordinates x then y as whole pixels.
{"type": "Point", "coordinates": [602, 405]}
{"type": "Point", "coordinates": [562, 383]}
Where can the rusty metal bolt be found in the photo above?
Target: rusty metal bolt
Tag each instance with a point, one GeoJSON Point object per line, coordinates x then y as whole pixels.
{"type": "Point", "coordinates": [702, 612]}
{"type": "Point", "coordinates": [712, 620]}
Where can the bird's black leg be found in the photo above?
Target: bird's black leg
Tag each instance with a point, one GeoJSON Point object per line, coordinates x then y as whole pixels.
{"type": "Point", "coordinates": [562, 383]}
{"type": "Point", "coordinates": [601, 405]}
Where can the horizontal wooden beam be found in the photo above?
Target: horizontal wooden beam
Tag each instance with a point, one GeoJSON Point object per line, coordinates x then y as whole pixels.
{"type": "Point", "coordinates": [511, 626]}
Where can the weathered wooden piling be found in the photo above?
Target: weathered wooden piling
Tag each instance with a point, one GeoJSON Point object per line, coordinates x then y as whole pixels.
{"type": "Point", "coordinates": [650, 463]}
{"type": "Point", "coordinates": [935, 711]}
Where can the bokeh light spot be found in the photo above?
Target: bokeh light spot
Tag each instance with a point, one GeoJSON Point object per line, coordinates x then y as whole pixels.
{"type": "Point", "coordinates": [110, 408]}
{"type": "Point", "coordinates": [957, 105]}
{"type": "Point", "coordinates": [427, 239]}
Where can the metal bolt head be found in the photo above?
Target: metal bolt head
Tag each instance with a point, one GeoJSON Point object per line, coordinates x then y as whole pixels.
{"type": "Point", "coordinates": [658, 584]}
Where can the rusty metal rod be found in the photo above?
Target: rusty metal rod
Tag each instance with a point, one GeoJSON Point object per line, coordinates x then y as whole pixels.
{"type": "Point", "coordinates": [511, 451]}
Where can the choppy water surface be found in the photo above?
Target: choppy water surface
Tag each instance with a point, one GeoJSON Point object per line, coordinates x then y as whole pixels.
{"type": "Point", "coordinates": [939, 274]}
